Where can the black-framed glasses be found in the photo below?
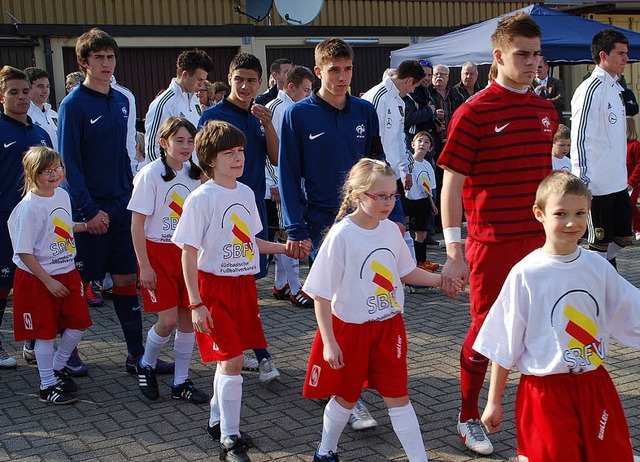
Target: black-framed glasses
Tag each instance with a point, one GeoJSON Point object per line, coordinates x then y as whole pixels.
{"type": "Point", "coordinates": [383, 197]}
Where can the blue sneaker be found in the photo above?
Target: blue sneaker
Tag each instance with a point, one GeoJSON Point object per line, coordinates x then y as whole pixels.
{"type": "Point", "coordinates": [75, 367]}
{"type": "Point", "coordinates": [331, 457]}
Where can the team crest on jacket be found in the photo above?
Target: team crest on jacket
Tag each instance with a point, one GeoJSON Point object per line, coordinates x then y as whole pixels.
{"type": "Point", "coordinates": [360, 129]}
{"type": "Point", "coordinates": [573, 317]}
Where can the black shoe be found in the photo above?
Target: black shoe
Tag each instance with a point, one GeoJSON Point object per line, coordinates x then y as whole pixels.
{"type": "Point", "coordinates": [65, 380]}
{"type": "Point", "coordinates": [331, 457]}
{"type": "Point", "coordinates": [162, 367]}
{"type": "Point", "coordinates": [56, 395]}
{"type": "Point", "coordinates": [214, 434]}
{"type": "Point", "coordinates": [188, 392]}
{"type": "Point", "coordinates": [432, 241]}
{"type": "Point", "coordinates": [234, 449]}
{"type": "Point", "coordinates": [147, 381]}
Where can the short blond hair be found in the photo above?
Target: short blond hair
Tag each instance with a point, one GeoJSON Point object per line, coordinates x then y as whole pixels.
{"type": "Point", "coordinates": [559, 182]}
{"type": "Point", "coordinates": [517, 25]}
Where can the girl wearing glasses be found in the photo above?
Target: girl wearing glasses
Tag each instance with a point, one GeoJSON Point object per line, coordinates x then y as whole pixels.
{"type": "Point", "coordinates": [48, 293]}
{"type": "Point", "coordinates": [356, 283]}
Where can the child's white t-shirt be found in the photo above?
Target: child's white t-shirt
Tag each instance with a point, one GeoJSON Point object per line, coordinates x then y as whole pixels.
{"type": "Point", "coordinates": [556, 317]}
{"type": "Point", "coordinates": [359, 270]}
{"type": "Point", "coordinates": [43, 227]}
{"type": "Point", "coordinates": [161, 201]}
{"type": "Point", "coordinates": [424, 181]}
{"type": "Point", "coordinates": [222, 223]}
{"type": "Point", "coordinates": [561, 164]}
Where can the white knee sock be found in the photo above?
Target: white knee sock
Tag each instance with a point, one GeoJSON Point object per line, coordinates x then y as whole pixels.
{"type": "Point", "coordinates": [230, 399]}
{"type": "Point", "coordinates": [68, 342]}
{"type": "Point", "coordinates": [280, 278]}
{"type": "Point", "coordinates": [405, 424]}
{"type": "Point", "coordinates": [292, 270]}
{"type": "Point", "coordinates": [153, 348]}
{"type": "Point", "coordinates": [333, 422]}
{"type": "Point", "coordinates": [214, 413]}
{"type": "Point", "coordinates": [44, 356]}
{"type": "Point", "coordinates": [183, 349]}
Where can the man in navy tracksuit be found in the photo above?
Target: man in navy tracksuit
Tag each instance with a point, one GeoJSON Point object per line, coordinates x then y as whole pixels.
{"type": "Point", "coordinates": [92, 133]}
{"type": "Point", "coordinates": [17, 135]}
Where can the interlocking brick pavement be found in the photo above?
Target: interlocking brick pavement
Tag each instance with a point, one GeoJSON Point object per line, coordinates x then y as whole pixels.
{"type": "Point", "coordinates": [113, 422]}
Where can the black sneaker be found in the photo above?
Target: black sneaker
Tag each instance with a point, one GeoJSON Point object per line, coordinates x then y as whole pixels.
{"type": "Point", "coordinates": [147, 381]}
{"type": "Point", "coordinates": [214, 434]}
{"type": "Point", "coordinates": [56, 395]}
{"type": "Point", "coordinates": [162, 367]}
{"type": "Point", "coordinates": [188, 392]}
{"type": "Point", "coordinates": [65, 380]}
{"type": "Point", "coordinates": [234, 449]}
{"type": "Point", "coordinates": [331, 457]}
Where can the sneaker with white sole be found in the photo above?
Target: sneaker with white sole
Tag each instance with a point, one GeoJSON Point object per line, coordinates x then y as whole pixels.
{"type": "Point", "coordinates": [360, 418]}
{"type": "Point", "coordinates": [56, 395]}
{"type": "Point", "coordinates": [268, 371]}
{"type": "Point", "coordinates": [6, 360]}
{"type": "Point", "coordinates": [474, 437]}
{"type": "Point", "coordinates": [250, 363]}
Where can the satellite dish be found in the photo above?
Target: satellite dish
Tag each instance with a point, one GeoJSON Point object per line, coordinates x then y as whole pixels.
{"type": "Point", "coordinates": [297, 12]}
{"type": "Point", "coordinates": [256, 9]}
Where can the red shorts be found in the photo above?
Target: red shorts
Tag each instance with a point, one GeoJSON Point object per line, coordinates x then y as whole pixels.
{"type": "Point", "coordinates": [37, 314]}
{"type": "Point", "coordinates": [567, 417]}
{"type": "Point", "coordinates": [489, 266]}
{"type": "Point", "coordinates": [171, 291]}
{"type": "Point", "coordinates": [374, 354]}
{"type": "Point", "coordinates": [233, 304]}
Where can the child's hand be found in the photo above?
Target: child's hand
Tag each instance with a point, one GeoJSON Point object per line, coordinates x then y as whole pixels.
{"type": "Point", "coordinates": [457, 285]}
{"type": "Point", "coordinates": [408, 182]}
{"type": "Point", "coordinates": [201, 319]}
{"type": "Point", "coordinates": [435, 209]}
{"type": "Point", "coordinates": [333, 355]}
{"type": "Point", "coordinates": [148, 278]}
{"type": "Point", "coordinates": [56, 288]}
{"type": "Point", "coordinates": [491, 417]}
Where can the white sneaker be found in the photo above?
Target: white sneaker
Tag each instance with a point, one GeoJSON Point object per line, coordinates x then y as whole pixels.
{"type": "Point", "coordinates": [638, 236]}
{"type": "Point", "coordinates": [360, 418]}
{"type": "Point", "coordinates": [29, 354]}
{"type": "Point", "coordinates": [474, 437]}
{"type": "Point", "coordinates": [268, 371]}
{"type": "Point", "coordinates": [250, 363]}
{"type": "Point", "coordinates": [5, 359]}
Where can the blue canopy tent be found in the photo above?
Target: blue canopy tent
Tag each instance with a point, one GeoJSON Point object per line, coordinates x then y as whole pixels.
{"type": "Point", "coordinates": [565, 39]}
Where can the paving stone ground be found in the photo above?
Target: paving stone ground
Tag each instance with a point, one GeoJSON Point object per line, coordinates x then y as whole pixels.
{"type": "Point", "coordinates": [113, 422]}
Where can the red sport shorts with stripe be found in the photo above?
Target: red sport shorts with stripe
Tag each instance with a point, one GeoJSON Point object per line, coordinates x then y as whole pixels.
{"type": "Point", "coordinates": [37, 314]}
{"type": "Point", "coordinates": [171, 290]}
{"type": "Point", "coordinates": [233, 304]}
{"type": "Point", "coordinates": [374, 355]}
{"type": "Point", "coordinates": [571, 417]}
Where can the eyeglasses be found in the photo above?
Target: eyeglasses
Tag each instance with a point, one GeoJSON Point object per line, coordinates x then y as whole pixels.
{"type": "Point", "coordinates": [426, 63]}
{"type": "Point", "coordinates": [383, 197]}
{"type": "Point", "coordinates": [204, 90]}
{"type": "Point", "coordinates": [51, 171]}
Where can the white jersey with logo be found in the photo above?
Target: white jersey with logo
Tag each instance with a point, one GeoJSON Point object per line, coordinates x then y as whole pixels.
{"type": "Point", "coordinates": [424, 181]}
{"type": "Point", "coordinates": [171, 102]}
{"type": "Point", "coordinates": [599, 134]}
{"type": "Point", "coordinates": [359, 270]}
{"type": "Point", "coordinates": [47, 120]}
{"type": "Point", "coordinates": [161, 201]}
{"type": "Point", "coordinates": [390, 110]}
{"type": "Point", "coordinates": [555, 315]}
{"type": "Point", "coordinates": [222, 223]}
{"type": "Point", "coordinates": [42, 227]}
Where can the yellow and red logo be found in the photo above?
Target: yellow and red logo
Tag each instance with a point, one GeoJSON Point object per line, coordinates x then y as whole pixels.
{"type": "Point", "coordinates": [583, 333]}
{"type": "Point", "coordinates": [63, 234]}
{"type": "Point", "coordinates": [177, 202]}
{"type": "Point", "coordinates": [241, 235]}
{"type": "Point", "coordinates": [383, 278]}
